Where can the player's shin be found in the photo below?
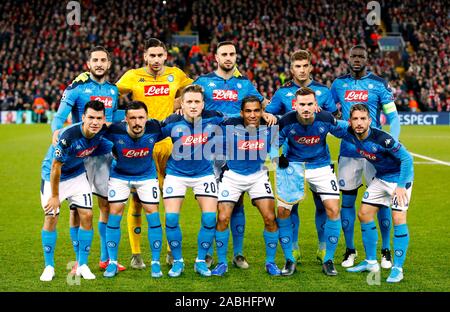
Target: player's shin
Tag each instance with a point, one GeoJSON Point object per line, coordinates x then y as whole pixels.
{"type": "Point", "coordinates": [112, 236]}
{"type": "Point", "coordinates": [348, 216]}
{"type": "Point", "coordinates": [103, 248]}
{"type": "Point", "coordinates": [48, 246]}
{"type": "Point", "coordinates": [370, 239]}
{"type": "Point", "coordinates": [134, 221]}
{"type": "Point", "coordinates": [332, 232]}
{"type": "Point", "coordinates": [85, 241]}
{"type": "Point", "coordinates": [206, 234]}
{"type": "Point", "coordinates": [222, 238]}
{"type": "Point", "coordinates": [237, 224]}
{"type": "Point", "coordinates": [295, 219]}
{"type": "Point", "coordinates": [154, 234]}
{"type": "Point", "coordinates": [74, 239]}
{"type": "Point", "coordinates": [173, 234]}
{"type": "Point", "coordinates": [401, 242]}
{"type": "Point", "coordinates": [285, 236]}
{"type": "Point", "coordinates": [271, 242]}
{"type": "Point", "coordinates": [384, 222]}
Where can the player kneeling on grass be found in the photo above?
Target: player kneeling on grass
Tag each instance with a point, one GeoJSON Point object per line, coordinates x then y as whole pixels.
{"type": "Point", "coordinates": [392, 183]}
{"type": "Point", "coordinates": [133, 167]}
{"type": "Point", "coordinates": [247, 144]}
{"type": "Point", "coordinates": [305, 133]}
{"type": "Point", "coordinates": [64, 177]}
{"type": "Point", "coordinates": [190, 166]}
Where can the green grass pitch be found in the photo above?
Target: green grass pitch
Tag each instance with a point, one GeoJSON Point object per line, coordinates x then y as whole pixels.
{"type": "Point", "coordinates": [22, 149]}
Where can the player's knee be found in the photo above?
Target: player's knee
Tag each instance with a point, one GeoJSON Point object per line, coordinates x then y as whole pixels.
{"type": "Point", "coordinates": [364, 215]}
{"type": "Point", "coordinates": [283, 212]}
{"type": "Point", "coordinates": [223, 220]}
{"type": "Point", "coordinates": [269, 222]}
{"type": "Point", "coordinates": [398, 217]}
{"type": "Point", "coordinates": [50, 223]}
{"type": "Point", "coordinates": [172, 220]}
{"type": "Point", "coordinates": [209, 220]}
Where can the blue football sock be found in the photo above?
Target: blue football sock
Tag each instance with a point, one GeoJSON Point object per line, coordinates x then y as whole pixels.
{"type": "Point", "coordinates": [348, 216]}
{"type": "Point", "coordinates": [401, 242]}
{"type": "Point", "coordinates": [112, 236]}
{"type": "Point", "coordinates": [206, 233]}
{"type": "Point", "coordinates": [271, 242]}
{"type": "Point", "coordinates": [48, 246]}
{"type": "Point", "coordinates": [85, 239]}
{"type": "Point", "coordinates": [74, 239]}
{"type": "Point", "coordinates": [237, 224]}
{"type": "Point", "coordinates": [173, 234]}
{"type": "Point", "coordinates": [285, 233]}
{"type": "Point", "coordinates": [385, 221]}
{"type": "Point", "coordinates": [295, 223]}
{"type": "Point", "coordinates": [321, 217]}
{"type": "Point", "coordinates": [103, 249]}
{"type": "Point", "coordinates": [370, 239]}
{"type": "Point", "coordinates": [332, 233]}
{"type": "Point", "coordinates": [222, 239]}
{"type": "Point", "coordinates": [154, 235]}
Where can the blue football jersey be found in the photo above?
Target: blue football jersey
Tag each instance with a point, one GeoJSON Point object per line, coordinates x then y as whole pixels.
{"type": "Point", "coordinates": [393, 163]}
{"type": "Point", "coordinates": [193, 144]}
{"type": "Point", "coordinates": [133, 157]}
{"type": "Point", "coordinates": [307, 143]}
{"type": "Point", "coordinates": [283, 100]}
{"type": "Point", "coordinates": [78, 94]}
{"type": "Point", "coordinates": [71, 149]}
{"type": "Point", "coordinates": [246, 149]}
{"type": "Point", "coordinates": [226, 96]}
{"type": "Point", "coordinates": [370, 90]}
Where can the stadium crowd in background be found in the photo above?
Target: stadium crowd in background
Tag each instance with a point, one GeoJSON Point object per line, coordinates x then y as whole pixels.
{"type": "Point", "coordinates": [40, 53]}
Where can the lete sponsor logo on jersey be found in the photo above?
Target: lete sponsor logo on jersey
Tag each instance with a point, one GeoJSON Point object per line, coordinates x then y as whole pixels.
{"type": "Point", "coordinates": [136, 152]}
{"type": "Point", "coordinates": [157, 90]}
{"type": "Point", "coordinates": [225, 95]}
{"type": "Point", "coordinates": [356, 95]}
{"type": "Point", "coordinates": [195, 139]}
{"type": "Point", "coordinates": [251, 145]}
{"type": "Point", "coordinates": [367, 154]}
{"type": "Point", "coordinates": [106, 100]}
{"type": "Point", "coordinates": [86, 152]}
{"type": "Point", "coordinates": [307, 140]}
{"type": "Point", "coordinates": [293, 103]}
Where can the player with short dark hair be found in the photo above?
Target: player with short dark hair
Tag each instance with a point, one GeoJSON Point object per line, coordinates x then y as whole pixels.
{"type": "Point", "coordinates": [224, 90]}
{"type": "Point", "coordinates": [362, 86]}
{"type": "Point", "coordinates": [305, 133]}
{"type": "Point", "coordinates": [283, 102]}
{"type": "Point", "coordinates": [392, 185]}
{"type": "Point", "coordinates": [247, 142]}
{"type": "Point", "coordinates": [64, 177]}
{"type": "Point", "coordinates": [133, 167]}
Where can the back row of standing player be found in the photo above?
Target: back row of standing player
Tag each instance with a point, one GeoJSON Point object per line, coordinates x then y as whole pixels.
{"type": "Point", "coordinates": [224, 90]}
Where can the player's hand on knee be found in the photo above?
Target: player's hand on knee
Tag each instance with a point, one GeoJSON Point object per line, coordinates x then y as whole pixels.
{"type": "Point", "coordinates": [82, 77]}
{"type": "Point", "coordinates": [400, 196]}
{"type": "Point", "coordinates": [52, 205]}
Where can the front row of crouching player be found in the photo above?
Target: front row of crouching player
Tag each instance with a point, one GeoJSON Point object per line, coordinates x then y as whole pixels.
{"type": "Point", "coordinates": [199, 136]}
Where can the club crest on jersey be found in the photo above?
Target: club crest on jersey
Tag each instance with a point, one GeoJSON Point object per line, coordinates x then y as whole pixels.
{"type": "Point", "coordinates": [356, 95]}
{"type": "Point", "coordinates": [225, 95]}
{"type": "Point", "coordinates": [239, 86]}
{"type": "Point", "coordinates": [195, 139]}
{"type": "Point", "coordinates": [251, 145]}
{"type": "Point", "coordinates": [307, 140]}
{"type": "Point", "coordinates": [157, 90]}
{"type": "Point", "coordinates": [106, 100]}
{"type": "Point", "coordinates": [366, 154]}
{"type": "Point", "coordinates": [136, 152]}
{"type": "Point", "coordinates": [86, 152]}
{"type": "Point", "coordinates": [370, 86]}
{"type": "Point", "coordinates": [170, 78]}
{"type": "Point", "coordinates": [318, 93]}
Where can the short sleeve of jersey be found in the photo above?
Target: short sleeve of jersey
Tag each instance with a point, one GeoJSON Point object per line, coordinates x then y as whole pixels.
{"type": "Point", "coordinates": [333, 91]}
{"type": "Point", "coordinates": [70, 95]}
{"type": "Point", "coordinates": [61, 149]}
{"type": "Point", "coordinates": [251, 91]}
{"type": "Point", "coordinates": [386, 95]}
{"type": "Point", "coordinates": [329, 104]}
{"type": "Point", "coordinates": [125, 83]}
{"type": "Point", "coordinates": [275, 106]}
{"type": "Point", "coordinates": [184, 79]}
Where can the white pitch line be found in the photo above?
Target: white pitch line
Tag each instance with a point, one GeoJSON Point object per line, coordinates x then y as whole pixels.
{"type": "Point", "coordinates": [431, 159]}
{"type": "Point", "coordinates": [432, 163]}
